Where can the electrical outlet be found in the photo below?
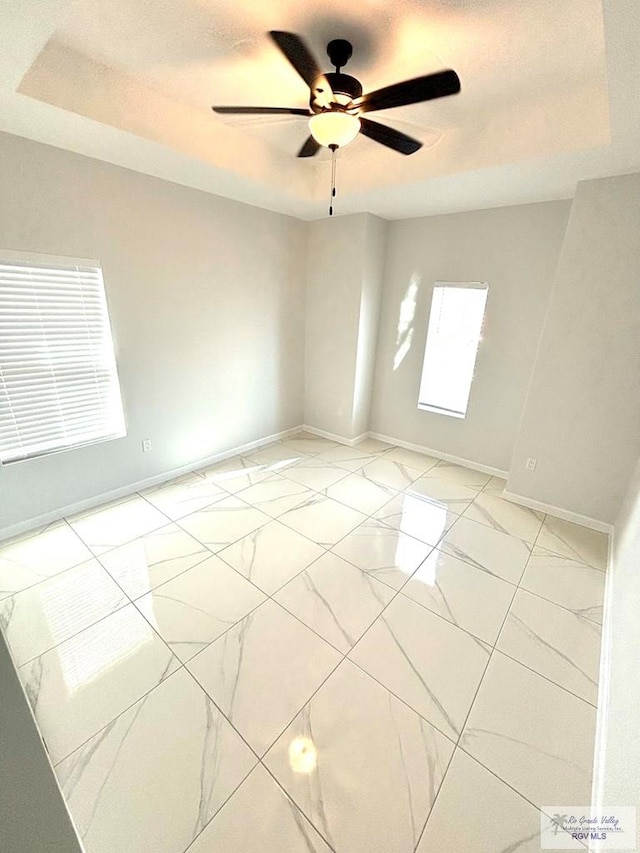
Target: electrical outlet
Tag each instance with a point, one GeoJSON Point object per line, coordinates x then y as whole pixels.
{"type": "Point", "coordinates": [146, 445]}
{"type": "Point", "coordinates": [530, 464]}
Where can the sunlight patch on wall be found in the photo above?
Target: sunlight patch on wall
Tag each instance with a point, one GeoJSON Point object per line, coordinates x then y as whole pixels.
{"type": "Point", "coordinates": [404, 331]}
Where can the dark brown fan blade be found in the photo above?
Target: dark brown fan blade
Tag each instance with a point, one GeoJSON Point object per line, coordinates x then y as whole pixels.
{"type": "Point", "coordinates": [410, 92]}
{"type": "Point", "coordinates": [310, 148]}
{"type": "Point", "coordinates": [302, 60]}
{"type": "Point", "coordinates": [259, 111]}
{"type": "Point", "coordinates": [389, 137]}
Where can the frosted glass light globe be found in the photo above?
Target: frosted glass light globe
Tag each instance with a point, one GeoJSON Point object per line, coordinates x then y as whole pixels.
{"type": "Point", "coordinates": [334, 128]}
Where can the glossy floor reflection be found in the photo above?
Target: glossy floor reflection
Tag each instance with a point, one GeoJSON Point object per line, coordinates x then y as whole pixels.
{"type": "Point", "coordinates": [312, 648]}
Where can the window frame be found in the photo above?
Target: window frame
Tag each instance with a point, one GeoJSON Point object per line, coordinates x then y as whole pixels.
{"type": "Point", "coordinates": [432, 407]}
{"type": "Point", "coordinates": [67, 263]}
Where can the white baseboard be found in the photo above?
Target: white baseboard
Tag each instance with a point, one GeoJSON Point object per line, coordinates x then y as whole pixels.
{"type": "Point", "coordinates": [559, 512]}
{"type": "Point", "coordinates": [447, 457]}
{"type": "Point", "coordinates": [604, 687]}
{"type": "Point", "coordinates": [97, 500]}
{"type": "Point", "coordinates": [332, 436]}
{"type": "Point", "coordinates": [40, 521]}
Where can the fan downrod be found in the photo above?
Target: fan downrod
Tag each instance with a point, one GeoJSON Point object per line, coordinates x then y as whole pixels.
{"type": "Point", "coordinates": [339, 52]}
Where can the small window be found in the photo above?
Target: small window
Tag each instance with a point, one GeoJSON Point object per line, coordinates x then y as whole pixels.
{"type": "Point", "coordinates": [58, 380]}
{"type": "Point", "coordinates": [455, 325]}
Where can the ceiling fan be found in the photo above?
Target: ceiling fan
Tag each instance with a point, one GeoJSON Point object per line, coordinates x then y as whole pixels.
{"type": "Point", "coordinates": [337, 102]}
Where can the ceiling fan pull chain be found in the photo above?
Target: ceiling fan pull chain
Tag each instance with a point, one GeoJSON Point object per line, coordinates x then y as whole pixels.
{"type": "Point", "coordinates": [334, 151]}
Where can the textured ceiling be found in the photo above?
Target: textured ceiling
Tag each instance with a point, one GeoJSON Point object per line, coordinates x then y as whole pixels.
{"type": "Point", "coordinates": [137, 78]}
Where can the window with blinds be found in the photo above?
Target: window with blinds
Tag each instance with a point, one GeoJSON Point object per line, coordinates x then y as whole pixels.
{"type": "Point", "coordinates": [58, 380]}
{"type": "Point", "coordinates": [455, 327]}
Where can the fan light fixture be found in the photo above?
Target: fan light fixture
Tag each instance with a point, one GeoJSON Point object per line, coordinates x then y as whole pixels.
{"type": "Point", "coordinates": [334, 97]}
{"type": "Point", "coordinates": [334, 128]}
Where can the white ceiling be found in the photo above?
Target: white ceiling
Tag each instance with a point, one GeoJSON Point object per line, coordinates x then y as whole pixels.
{"type": "Point", "coordinates": [550, 95]}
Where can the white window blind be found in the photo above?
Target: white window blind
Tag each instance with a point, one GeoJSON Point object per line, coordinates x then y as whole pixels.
{"type": "Point", "coordinates": [58, 380]}
{"type": "Point", "coordinates": [455, 326]}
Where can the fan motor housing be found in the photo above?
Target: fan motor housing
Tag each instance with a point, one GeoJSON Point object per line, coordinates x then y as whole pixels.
{"type": "Point", "coordinates": [345, 89]}
{"type": "Point", "coordinates": [339, 52]}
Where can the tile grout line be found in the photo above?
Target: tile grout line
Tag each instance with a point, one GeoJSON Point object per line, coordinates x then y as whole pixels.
{"type": "Point", "coordinates": [546, 678]}
{"type": "Point", "coordinates": [325, 551]}
{"type": "Point", "coordinates": [524, 589]}
{"type": "Point", "coordinates": [141, 698]}
{"type": "Point", "coordinates": [129, 600]}
{"type": "Point", "coordinates": [212, 553]}
{"type": "Point", "coordinates": [170, 521]}
{"type": "Point", "coordinates": [495, 577]}
{"type": "Point", "coordinates": [248, 580]}
{"type": "Point", "coordinates": [237, 788]}
{"type": "Point", "coordinates": [347, 656]}
{"type": "Point", "coordinates": [500, 779]}
{"type": "Point", "coordinates": [344, 656]}
{"type": "Point", "coordinates": [332, 671]}
{"type": "Point", "coordinates": [260, 758]}
{"type": "Point", "coordinates": [270, 596]}
{"type": "Point", "coordinates": [226, 494]}
{"type": "Point", "coordinates": [435, 799]}
{"type": "Point", "coordinates": [591, 621]}
{"type": "Point", "coordinates": [494, 648]}
{"type": "Point", "coordinates": [235, 624]}
{"type": "Point", "coordinates": [209, 698]}
{"type": "Point", "coordinates": [272, 744]}
{"type": "Point", "coordinates": [473, 701]}
{"type": "Point", "coordinates": [182, 665]}
{"type": "Point", "coordinates": [495, 644]}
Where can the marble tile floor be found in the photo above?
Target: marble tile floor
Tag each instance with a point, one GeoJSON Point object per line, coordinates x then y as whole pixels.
{"type": "Point", "coordinates": [311, 648]}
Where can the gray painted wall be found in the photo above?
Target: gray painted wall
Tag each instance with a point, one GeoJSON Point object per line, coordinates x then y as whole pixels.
{"type": "Point", "coordinates": [582, 415]}
{"type": "Point", "coordinates": [33, 815]}
{"type": "Point", "coordinates": [206, 298]}
{"type": "Point", "coordinates": [216, 346]}
{"type": "Point", "coordinates": [344, 278]}
{"type": "Point", "coordinates": [373, 251]}
{"type": "Point", "coordinates": [618, 759]}
{"type": "Point", "coordinates": [207, 301]}
{"type": "Point", "coordinates": [514, 249]}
